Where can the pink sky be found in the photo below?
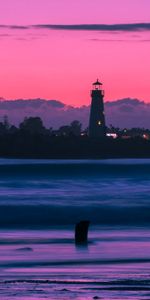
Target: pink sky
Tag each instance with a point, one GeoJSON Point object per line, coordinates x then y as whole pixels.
{"type": "Point", "coordinates": [62, 64]}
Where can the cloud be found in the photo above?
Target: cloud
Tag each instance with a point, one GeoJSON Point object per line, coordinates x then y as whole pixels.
{"type": "Point", "coordinates": [133, 40]}
{"type": "Point", "coordinates": [4, 35]}
{"type": "Point", "coordinates": [123, 113]}
{"type": "Point", "coordinates": [14, 27]}
{"type": "Point", "coordinates": [127, 27]}
{"type": "Point", "coordinates": [125, 101]}
{"type": "Point", "coordinates": [97, 27]}
{"type": "Point", "coordinates": [128, 113]}
{"type": "Point", "coordinates": [54, 113]}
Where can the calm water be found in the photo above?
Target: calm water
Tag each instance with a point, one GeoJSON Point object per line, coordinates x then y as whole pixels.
{"type": "Point", "coordinates": [40, 202]}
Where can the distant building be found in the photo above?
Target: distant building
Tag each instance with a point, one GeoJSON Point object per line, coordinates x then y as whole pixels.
{"type": "Point", "coordinates": [97, 126]}
{"type": "Point", "coordinates": [112, 135]}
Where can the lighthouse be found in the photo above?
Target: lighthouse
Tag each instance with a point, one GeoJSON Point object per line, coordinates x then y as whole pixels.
{"type": "Point", "coordinates": [97, 128]}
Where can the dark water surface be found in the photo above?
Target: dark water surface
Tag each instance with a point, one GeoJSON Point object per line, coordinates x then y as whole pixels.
{"type": "Point", "coordinates": [40, 202]}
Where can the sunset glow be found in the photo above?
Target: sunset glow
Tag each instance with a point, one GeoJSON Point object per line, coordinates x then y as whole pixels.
{"type": "Point", "coordinates": [61, 64]}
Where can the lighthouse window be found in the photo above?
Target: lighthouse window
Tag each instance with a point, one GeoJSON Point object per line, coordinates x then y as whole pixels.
{"type": "Point", "coordinates": [99, 122]}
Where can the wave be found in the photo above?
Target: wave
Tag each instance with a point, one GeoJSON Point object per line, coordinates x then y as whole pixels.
{"type": "Point", "coordinates": [43, 194]}
{"type": "Point", "coordinates": [76, 262]}
{"type": "Point", "coordinates": [124, 282]}
{"type": "Point", "coordinates": [74, 168]}
{"type": "Point", "coordinates": [44, 216]}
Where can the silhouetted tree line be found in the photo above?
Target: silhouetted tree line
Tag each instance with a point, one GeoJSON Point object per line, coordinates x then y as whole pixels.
{"type": "Point", "coordinates": [34, 125]}
{"type": "Point", "coordinates": [32, 140]}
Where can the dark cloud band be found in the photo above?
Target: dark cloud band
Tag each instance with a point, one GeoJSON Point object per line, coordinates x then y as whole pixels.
{"type": "Point", "coordinates": [131, 27]}
{"type": "Point", "coordinates": [97, 27]}
{"type": "Point", "coordinates": [14, 27]}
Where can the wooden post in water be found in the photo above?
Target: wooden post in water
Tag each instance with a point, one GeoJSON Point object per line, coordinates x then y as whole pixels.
{"type": "Point", "coordinates": [81, 232]}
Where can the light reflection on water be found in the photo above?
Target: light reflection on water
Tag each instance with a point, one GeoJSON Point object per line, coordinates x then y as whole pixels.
{"type": "Point", "coordinates": [56, 268]}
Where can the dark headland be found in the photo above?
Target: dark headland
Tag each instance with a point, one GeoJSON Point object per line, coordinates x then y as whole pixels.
{"type": "Point", "coordinates": [24, 144]}
{"type": "Point", "coordinates": [32, 140]}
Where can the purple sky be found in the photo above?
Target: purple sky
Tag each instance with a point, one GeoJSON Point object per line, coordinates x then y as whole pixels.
{"type": "Point", "coordinates": [70, 11]}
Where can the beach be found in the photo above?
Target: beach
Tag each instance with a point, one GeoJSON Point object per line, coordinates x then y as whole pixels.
{"type": "Point", "coordinates": [40, 203]}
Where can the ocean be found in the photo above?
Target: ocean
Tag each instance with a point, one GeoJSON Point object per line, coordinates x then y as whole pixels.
{"type": "Point", "coordinates": [40, 203]}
